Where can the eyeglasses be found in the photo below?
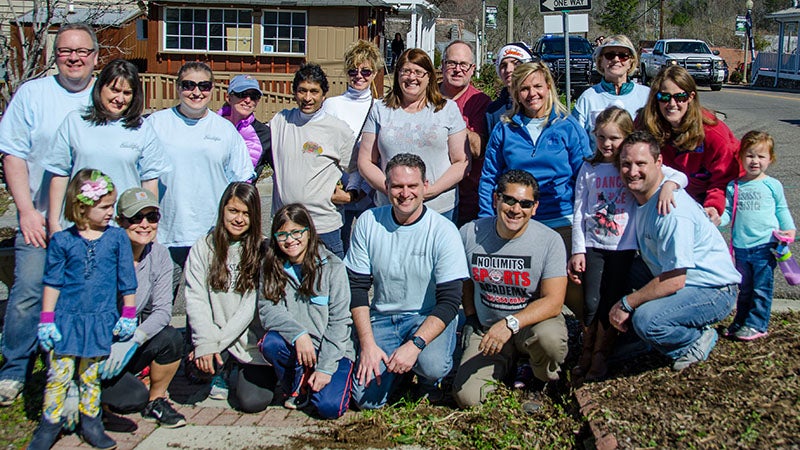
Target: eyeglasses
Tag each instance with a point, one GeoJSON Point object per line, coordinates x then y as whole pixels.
{"type": "Point", "coordinates": [189, 85]}
{"type": "Point", "coordinates": [251, 94]}
{"type": "Point", "coordinates": [665, 97]}
{"type": "Point", "coordinates": [623, 56]}
{"type": "Point", "coordinates": [511, 201]}
{"type": "Point", "coordinates": [66, 51]}
{"type": "Point", "coordinates": [152, 217]}
{"type": "Point", "coordinates": [283, 236]}
{"type": "Point", "coordinates": [417, 73]}
{"type": "Point", "coordinates": [463, 66]}
{"type": "Point", "coordinates": [366, 73]}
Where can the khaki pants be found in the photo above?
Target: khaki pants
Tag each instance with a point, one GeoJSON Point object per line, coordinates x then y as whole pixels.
{"type": "Point", "coordinates": [545, 343]}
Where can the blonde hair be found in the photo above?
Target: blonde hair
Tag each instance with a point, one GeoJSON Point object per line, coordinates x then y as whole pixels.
{"type": "Point", "coordinates": [360, 52]}
{"type": "Point", "coordinates": [552, 102]}
{"type": "Point", "coordinates": [753, 138]}
{"type": "Point", "coordinates": [74, 208]}
{"type": "Point", "coordinates": [691, 132]}
{"type": "Point", "coordinates": [613, 115]}
{"type": "Point", "coordinates": [623, 40]}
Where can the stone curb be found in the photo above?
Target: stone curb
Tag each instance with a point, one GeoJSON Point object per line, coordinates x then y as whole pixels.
{"type": "Point", "coordinates": [603, 439]}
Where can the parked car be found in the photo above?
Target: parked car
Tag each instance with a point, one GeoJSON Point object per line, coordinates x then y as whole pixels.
{"type": "Point", "coordinates": [705, 66]}
{"type": "Point", "coordinates": [550, 49]}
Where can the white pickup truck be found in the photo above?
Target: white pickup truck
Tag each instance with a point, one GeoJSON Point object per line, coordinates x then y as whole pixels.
{"type": "Point", "coordinates": [705, 66]}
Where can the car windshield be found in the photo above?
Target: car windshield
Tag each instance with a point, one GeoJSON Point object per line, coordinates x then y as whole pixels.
{"type": "Point", "coordinates": [556, 46]}
{"type": "Point", "coordinates": [687, 47]}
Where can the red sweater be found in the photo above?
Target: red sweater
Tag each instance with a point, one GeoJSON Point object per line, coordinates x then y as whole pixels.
{"type": "Point", "coordinates": [709, 167]}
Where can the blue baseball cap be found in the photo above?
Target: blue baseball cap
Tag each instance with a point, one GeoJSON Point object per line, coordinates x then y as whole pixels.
{"type": "Point", "coordinates": [241, 83]}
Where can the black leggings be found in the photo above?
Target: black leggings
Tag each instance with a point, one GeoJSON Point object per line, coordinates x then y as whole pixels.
{"type": "Point", "coordinates": [604, 282]}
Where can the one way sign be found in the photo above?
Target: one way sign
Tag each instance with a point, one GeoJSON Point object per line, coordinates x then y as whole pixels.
{"type": "Point", "coordinates": [546, 6]}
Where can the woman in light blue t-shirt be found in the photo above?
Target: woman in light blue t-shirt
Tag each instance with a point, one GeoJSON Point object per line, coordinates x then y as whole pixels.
{"type": "Point", "coordinates": [110, 135]}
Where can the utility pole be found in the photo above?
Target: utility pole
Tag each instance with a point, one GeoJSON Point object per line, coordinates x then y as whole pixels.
{"type": "Point", "coordinates": [510, 27]}
{"type": "Point", "coordinates": [661, 20]}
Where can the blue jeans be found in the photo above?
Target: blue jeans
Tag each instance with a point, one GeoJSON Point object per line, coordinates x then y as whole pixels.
{"type": "Point", "coordinates": [757, 266]}
{"type": "Point", "coordinates": [392, 331]}
{"type": "Point", "coordinates": [332, 240]}
{"type": "Point", "coordinates": [672, 324]}
{"type": "Point", "coordinates": [332, 401]}
{"type": "Point", "coordinates": [22, 313]}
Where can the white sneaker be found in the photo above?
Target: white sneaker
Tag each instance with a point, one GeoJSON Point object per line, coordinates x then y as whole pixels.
{"type": "Point", "coordinates": [9, 391]}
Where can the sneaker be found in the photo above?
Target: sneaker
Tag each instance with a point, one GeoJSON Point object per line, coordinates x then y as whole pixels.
{"type": "Point", "coordinates": [699, 351]}
{"type": "Point", "coordinates": [298, 400]}
{"type": "Point", "coordinates": [426, 389]}
{"type": "Point", "coordinates": [731, 330]}
{"type": "Point", "coordinates": [9, 391]}
{"type": "Point", "coordinates": [535, 401]}
{"type": "Point", "coordinates": [161, 411]}
{"type": "Point", "coordinates": [746, 333]}
{"type": "Point", "coordinates": [219, 388]}
{"type": "Point", "coordinates": [524, 376]}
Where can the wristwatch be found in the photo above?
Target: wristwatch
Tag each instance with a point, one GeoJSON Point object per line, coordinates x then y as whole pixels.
{"type": "Point", "coordinates": [419, 342]}
{"type": "Point", "coordinates": [512, 323]}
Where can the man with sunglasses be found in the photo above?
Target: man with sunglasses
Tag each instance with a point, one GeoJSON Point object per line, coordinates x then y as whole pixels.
{"type": "Point", "coordinates": [514, 298]}
{"type": "Point", "coordinates": [241, 101]}
{"type": "Point", "coordinates": [458, 67]}
{"type": "Point", "coordinates": [27, 130]}
{"type": "Point", "coordinates": [311, 149]}
{"type": "Point", "coordinates": [616, 60]}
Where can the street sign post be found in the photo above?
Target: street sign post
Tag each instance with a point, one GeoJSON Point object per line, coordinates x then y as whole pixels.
{"type": "Point", "coordinates": [546, 6]}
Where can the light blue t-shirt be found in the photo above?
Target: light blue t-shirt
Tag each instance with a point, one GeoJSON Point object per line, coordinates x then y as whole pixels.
{"type": "Point", "coordinates": [406, 261]}
{"type": "Point", "coordinates": [127, 155]}
{"type": "Point", "coordinates": [423, 133]}
{"type": "Point", "coordinates": [206, 155]}
{"type": "Point", "coordinates": [684, 238]}
{"type": "Point", "coordinates": [29, 126]}
{"type": "Point", "coordinates": [760, 209]}
{"type": "Point", "coordinates": [595, 100]}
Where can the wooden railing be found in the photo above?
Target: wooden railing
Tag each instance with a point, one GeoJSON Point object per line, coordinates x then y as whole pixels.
{"type": "Point", "coordinates": [160, 91]}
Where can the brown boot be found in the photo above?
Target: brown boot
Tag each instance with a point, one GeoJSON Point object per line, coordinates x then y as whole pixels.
{"type": "Point", "coordinates": [604, 343]}
{"type": "Point", "coordinates": [585, 361]}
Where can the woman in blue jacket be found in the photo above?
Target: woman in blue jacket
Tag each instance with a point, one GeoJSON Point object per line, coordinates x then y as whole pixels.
{"type": "Point", "coordinates": [540, 137]}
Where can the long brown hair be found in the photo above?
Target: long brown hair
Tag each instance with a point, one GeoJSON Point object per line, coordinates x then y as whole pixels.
{"type": "Point", "coordinates": [274, 278]}
{"type": "Point", "coordinates": [432, 94]}
{"type": "Point", "coordinates": [219, 274]}
{"type": "Point", "coordinates": [691, 133]}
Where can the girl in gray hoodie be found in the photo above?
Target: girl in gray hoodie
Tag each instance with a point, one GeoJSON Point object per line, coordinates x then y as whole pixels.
{"type": "Point", "coordinates": [304, 305]}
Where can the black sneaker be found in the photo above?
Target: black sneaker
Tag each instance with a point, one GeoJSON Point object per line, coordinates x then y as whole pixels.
{"type": "Point", "coordinates": [160, 410]}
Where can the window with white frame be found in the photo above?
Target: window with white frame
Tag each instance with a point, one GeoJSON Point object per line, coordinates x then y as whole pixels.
{"type": "Point", "coordinates": [208, 30]}
{"type": "Point", "coordinates": [284, 31]}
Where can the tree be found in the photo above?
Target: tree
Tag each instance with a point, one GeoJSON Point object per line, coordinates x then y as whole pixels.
{"type": "Point", "coordinates": [24, 53]}
{"type": "Point", "coordinates": [619, 16]}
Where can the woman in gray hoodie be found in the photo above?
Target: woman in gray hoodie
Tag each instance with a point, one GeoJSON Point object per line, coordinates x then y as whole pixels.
{"type": "Point", "coordinates": [304, 304]}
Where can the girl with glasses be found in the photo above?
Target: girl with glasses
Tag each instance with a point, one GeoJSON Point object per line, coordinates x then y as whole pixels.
{"type": "Point", "coordinates": [616, 59]}
{"type": "Point", "coordinates": [304, 305]}
{"type": "Point", "coordinates": [415, 118]}
{"type": "Point", "coordinates": [221, 284]}
{"type": "Point", "coordinates": [691, 137]}
{"type": "Point", "coordinates": [362, 61]}
{"type": "Point", "coordinates": [109, 135]}
{"type": "Point", "coordinates": [207, 154]}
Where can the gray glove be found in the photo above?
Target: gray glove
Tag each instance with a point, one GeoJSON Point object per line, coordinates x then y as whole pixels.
{"type": "Point", "coordinates": [121, 354]}
{"type": "Point", "coordinates": [471, 326]}
{"type": "Point", "coordinates": [70, 414]}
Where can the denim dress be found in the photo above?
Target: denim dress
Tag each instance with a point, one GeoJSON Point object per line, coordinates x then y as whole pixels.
{"type": "Point", "coordinates": [89, 275]}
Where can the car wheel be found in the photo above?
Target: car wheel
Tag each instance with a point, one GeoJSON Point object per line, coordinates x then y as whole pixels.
{"type": "Point", "coordinates": [716, 87]}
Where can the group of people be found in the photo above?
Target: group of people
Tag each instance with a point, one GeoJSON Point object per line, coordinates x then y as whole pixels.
{"type": "Point", "coordinates": [457, 211]}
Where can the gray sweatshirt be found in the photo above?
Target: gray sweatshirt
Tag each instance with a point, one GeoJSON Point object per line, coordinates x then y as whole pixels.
{"type": "Point", "coordinates": [325, 317]}
{"type": "Point", "coordinates": [154, 294]}
{"type": "Point", "coordinates": [221, 320]}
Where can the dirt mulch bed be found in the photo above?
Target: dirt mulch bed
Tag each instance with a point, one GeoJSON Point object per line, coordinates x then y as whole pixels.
{"type": "Point", "coordinates": [747, 395]}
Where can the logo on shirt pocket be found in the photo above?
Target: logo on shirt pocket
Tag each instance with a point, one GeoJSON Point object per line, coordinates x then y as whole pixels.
{"type": "Point", "coordinates": [312, 147]}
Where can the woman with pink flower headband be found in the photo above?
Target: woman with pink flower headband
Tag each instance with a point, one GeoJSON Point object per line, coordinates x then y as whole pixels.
{"type": "Point", "coordinates": [88, 265]}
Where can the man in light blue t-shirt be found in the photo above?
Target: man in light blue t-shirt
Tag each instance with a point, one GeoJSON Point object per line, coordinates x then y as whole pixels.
{"type": "Point", "coordinates": [416, 260]}
{"type": "Point", "coordinates": [26, 133]}
{"type": "Point", "coordinates": [694, 283]}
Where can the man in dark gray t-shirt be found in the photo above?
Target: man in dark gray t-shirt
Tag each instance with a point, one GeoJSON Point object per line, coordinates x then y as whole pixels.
{"type": "Point", "coordinates": [514, 298]}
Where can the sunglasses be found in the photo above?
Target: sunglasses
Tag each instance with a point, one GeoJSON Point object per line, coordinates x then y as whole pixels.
{"type": "Point", "coordinates": [665, 97]}
{"type": "Point", "coordinates": [366, 73]}
{"type": "Point", "coordinates": [623, 56]}
{"type": "Point", "coordinates": [252, 95]}
{"type": "Point", "coordinates": [511, 201]}
{"type": "Point", "coordinates": [152, 217]}
{"type": "Point", "coordinates": [283, 236]}
{"type": "Point", "coordinates": [204, 86]}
